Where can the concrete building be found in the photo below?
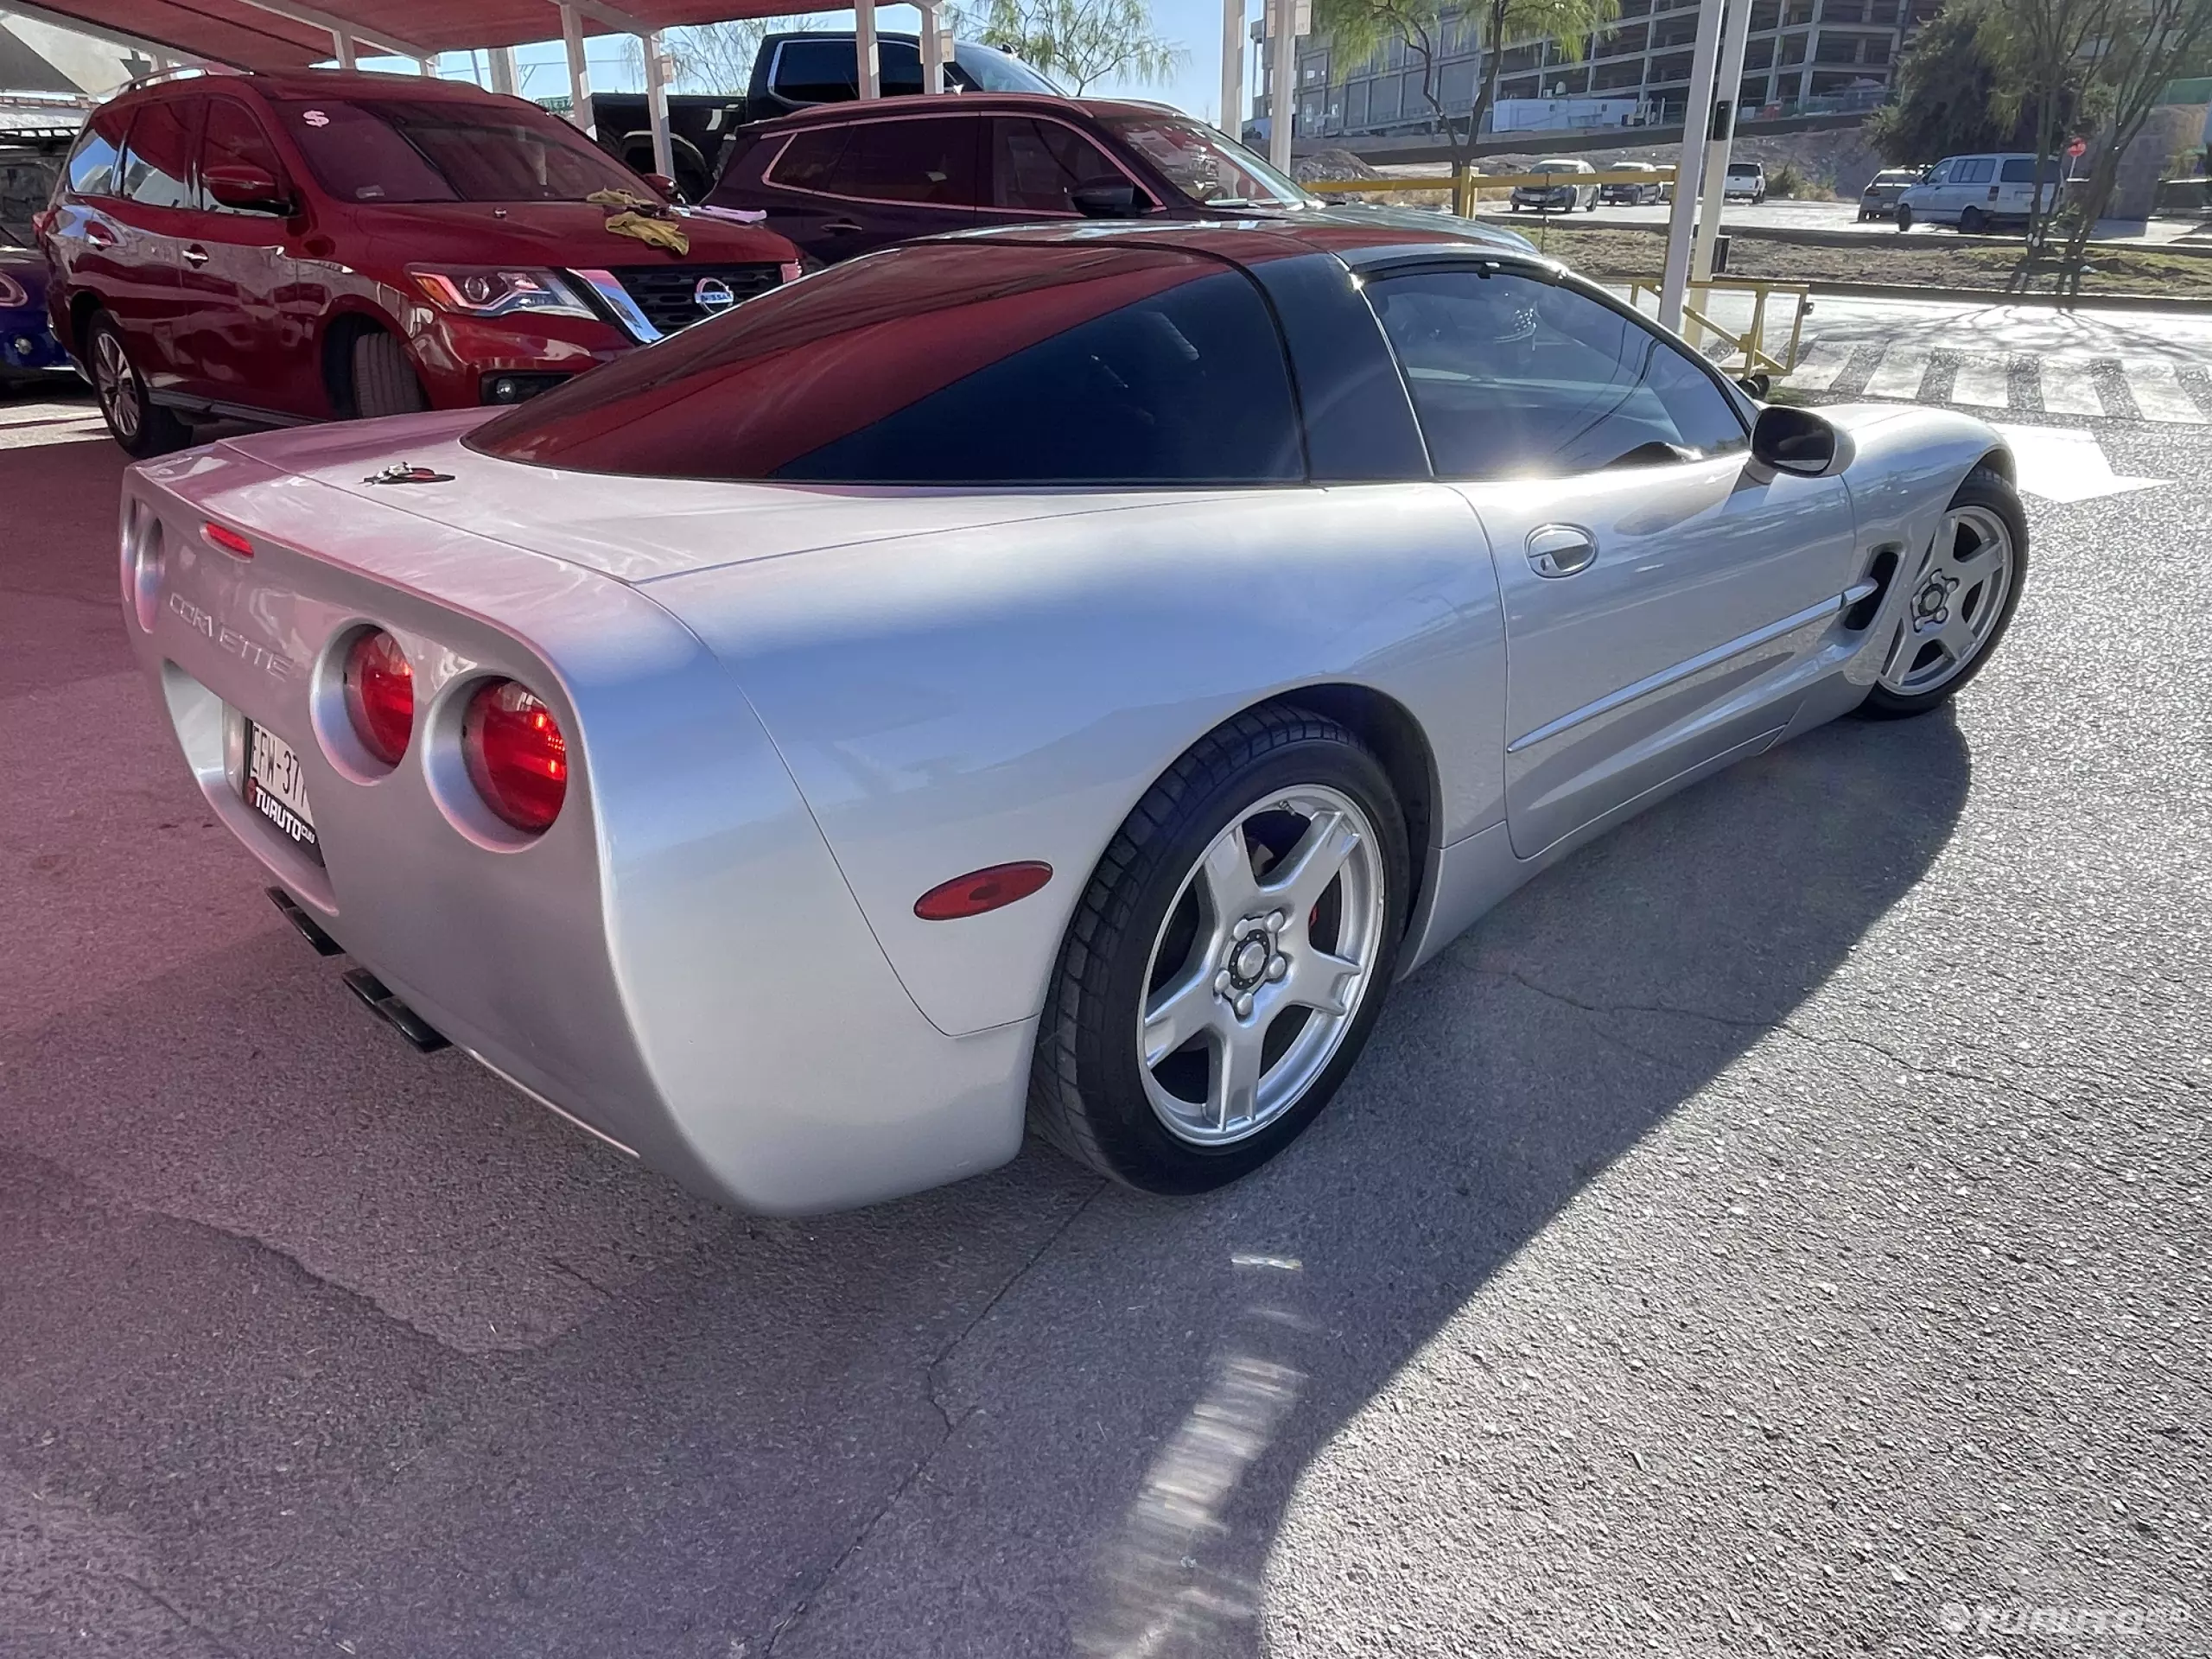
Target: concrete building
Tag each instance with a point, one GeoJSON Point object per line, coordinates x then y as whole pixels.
{"type": "Point", "coordinates": [1805, 57]}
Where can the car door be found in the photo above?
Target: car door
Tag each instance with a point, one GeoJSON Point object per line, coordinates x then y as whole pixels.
{"type": "Point", "coordinates": [1973, 185]}
{"type": "Point", "coordinates": [1926, 198]}
{"type": "Point", "coordinates": [1666, 601]}
{"type": "Point", "coordinates": [243, 336]}
{"type": "Point", "coordinates": [150, 210]}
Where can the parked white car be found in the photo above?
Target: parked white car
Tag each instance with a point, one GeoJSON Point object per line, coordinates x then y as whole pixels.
{"type": "Point", "coordinates": [1747, 181]}
{"type": "Point", "coordinates": [1977, 193]}
{"type": "Point", "coordinates": [1561, 197]}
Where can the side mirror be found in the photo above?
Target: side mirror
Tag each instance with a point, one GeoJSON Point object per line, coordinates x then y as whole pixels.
{"type": "Point", "coordinates": [246, 187]}
{"type": "Point", "coordinates": [1105, 198]}
{"type": "Point", "coordinates": [1791, 440]}
{"type": "Point", "coordinates": [663, 183]}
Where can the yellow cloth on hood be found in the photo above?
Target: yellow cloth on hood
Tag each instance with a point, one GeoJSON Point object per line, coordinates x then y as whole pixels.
{"type": "Point", "coordinates": [653, 232]}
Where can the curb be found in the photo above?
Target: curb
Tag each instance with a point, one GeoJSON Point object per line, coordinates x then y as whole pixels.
{"type": "Point", "coordinates": [2007, 297]}
{"type": "Point", "coordinates": [1813, 237]}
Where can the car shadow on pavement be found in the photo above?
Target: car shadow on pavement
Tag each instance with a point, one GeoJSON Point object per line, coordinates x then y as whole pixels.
{"type": "Point", "coordinates": [1031, 1414]}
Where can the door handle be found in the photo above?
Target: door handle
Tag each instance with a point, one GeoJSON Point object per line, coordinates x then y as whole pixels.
{"type": "Point", "coordinates": [1560, 549]}
{"type": "Point", "coordinates": [98, 234]}
{"type": "Point", "coordinates": [194, 254]}
{"type": "Point", "coordinates": [841, 227]}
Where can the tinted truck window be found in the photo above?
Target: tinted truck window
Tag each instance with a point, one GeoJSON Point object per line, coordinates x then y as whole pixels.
{"type": "Point", "coordinates": [91, 163]}
{"type": "Point", "coordinates": [981, 365]}
{"type": "Point", "coordinates": [157, 167]}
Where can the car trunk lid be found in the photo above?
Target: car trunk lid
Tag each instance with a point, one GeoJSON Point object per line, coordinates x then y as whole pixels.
{"type": "Point", "coordinates": [635, 529]}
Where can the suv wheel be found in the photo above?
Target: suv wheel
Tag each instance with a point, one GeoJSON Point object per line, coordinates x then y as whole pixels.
{"type": "Point", "coordinates": [134, 420]}
{"type": "Point", "coordinates": [384, 380]}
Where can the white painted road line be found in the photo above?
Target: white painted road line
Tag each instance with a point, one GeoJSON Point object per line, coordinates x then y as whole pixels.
{"type": "Point", "coordinates": [1984, 382]}
{"type": "Point", "coordinates": [1903, 368]}
{"type": "Point", "coordinates": [2062, 463]}
{"type": "Point", "coordinates": [2068, 389]}
{"type": "Point", "coordinates": [1817, 370]}
{"type": "Point", "coordinates": [2160, 396]}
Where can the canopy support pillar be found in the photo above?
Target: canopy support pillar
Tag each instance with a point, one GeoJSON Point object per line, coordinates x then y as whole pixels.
{"type": "Point", "coordinates": [933, 46]}
{"type": "Point", "coordinates": [657, 105]}
{"type": "Point", "coordinates": [871, 65]}
{"type": "Point", "coordinates": [1282, 96]}
{"type": "Point", "coordinates": [1232, 67]}
{"type": "Point", "coordinates": [503, 70]}
{"type": "Point", "coordinates": [344, 43]}
{"type": "Point", "coordinates": [1689, 173]}
{"type": "Point", "coordinates": [572, 37]}
{"type": "Point", "coordinates": [1720, 135]}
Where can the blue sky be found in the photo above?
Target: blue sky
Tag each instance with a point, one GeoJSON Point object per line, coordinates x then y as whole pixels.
{"type": "Point", "coordinates": [1195, 25]}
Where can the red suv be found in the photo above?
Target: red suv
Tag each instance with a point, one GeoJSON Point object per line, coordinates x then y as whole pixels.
{"type": "Point", "coordinates": [284, 248]}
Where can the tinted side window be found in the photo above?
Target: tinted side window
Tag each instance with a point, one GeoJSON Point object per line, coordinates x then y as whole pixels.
{"type": "Point", "coordinates": [931, 160]}
{"type": "Point", "coordinates": [977, 364]}
{"type": "Point", "coordinates": [235, 138]}
{"type": "Point", "coordinates": [1976, 171]}
{"type": "Point", "coordinates": [809, 161]}
{"type": "Point", "coordinates": [1516, 378]}
{"type": "Point", "coordinates": [157, 166]}
{"type": "Point", "coordinates": [91, 163]}
{"type": "Point", "coordinates": [827, 71]}
{"type": "Point", "coordinates": [2021, 170]}
{"type": "Point", "coordinates": [1036, 165]}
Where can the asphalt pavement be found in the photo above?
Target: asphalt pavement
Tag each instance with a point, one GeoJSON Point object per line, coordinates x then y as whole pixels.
{"type": "Point", "coordinates": [1780, 1230]}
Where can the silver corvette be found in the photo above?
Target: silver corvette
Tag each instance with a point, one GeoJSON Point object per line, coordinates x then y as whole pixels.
{"type": "Point", "coordinates": [1057, 679]}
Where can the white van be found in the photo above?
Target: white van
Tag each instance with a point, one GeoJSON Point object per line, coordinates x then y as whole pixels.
{"type": "Point", "coordinates": [1978, 193]}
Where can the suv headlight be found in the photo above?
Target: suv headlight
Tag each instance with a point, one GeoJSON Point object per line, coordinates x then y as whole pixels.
{"type": "Point", "coordinates": [488, 292]}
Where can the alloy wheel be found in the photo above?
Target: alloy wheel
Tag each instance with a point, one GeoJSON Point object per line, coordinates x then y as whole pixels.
{"type": "Point", "coordinates": [1260, 968]}
{"type": "Point", "coordinates": [1953, 605]}
{"type": "Point", "coordinates": [115, 385]}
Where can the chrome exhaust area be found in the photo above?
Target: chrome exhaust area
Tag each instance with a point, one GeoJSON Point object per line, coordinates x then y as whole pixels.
{"type": "Point", "coordinates": [324, 943]}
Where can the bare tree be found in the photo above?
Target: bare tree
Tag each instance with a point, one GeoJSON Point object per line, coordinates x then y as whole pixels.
{"type": "Point", "coordinates": [2050, 43]}
{"type": "Point", "coordinates": [1078, 41]}
{"type": "Point", "coordinates": [1359, 31]}
{"type": "Point", "coordinates": [716, 57]}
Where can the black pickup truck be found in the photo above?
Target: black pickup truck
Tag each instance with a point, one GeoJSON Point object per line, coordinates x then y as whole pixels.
{"type": "Point", "coordinates": [794, 70]}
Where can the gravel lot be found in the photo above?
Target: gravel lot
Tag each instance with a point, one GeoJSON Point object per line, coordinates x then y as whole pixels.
{"type": "Point", "coordinates": [1781, 1229]}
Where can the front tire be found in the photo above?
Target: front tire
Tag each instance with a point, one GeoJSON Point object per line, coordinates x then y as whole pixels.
{"type": "Point", "coordinates": [1904, 217]}
{"type": "Point", "coordinates": [1960, 604]}
{"type": "Point", "coordinates": [134, 420]}
{"type": "Point", "coordinates": [384, 380]}
{"type": "Point", "coordinates": [1228, 959]}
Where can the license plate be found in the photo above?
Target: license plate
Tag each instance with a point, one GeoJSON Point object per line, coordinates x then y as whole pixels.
{"type": "Point", "coordinates": [275, 786]}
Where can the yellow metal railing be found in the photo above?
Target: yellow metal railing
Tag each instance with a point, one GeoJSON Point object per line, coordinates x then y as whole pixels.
{"type": "Point", "coordinates": [1752, 342]}
{"type": "Point", "coordinates": [1465, 184]}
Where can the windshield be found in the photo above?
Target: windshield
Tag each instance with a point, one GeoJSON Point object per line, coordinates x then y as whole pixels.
{"type": "Point", "coordinates": [1202, 163]}
{"type": "Point", "coordinates": [1557, 164]}
{"type": "Point", "coordinates": [445, 149]}
{"type": "Point", "coordinates": [993, 71]}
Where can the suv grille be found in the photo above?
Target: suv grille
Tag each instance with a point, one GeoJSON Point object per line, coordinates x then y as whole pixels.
{"type": "Point", "coordinates": [664, 293]}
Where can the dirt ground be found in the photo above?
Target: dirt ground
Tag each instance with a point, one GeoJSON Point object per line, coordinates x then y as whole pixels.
{"type": "Point", "coordinates": [1928, 260]}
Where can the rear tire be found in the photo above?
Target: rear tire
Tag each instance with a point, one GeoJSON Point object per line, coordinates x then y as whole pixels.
{"type": "Point", "coordinates": [141, 426]}
{"type": "Point", "coordinates": [384, 380]}
{"type": "Point", "coordinates": [1177, 1049]}
{"type": "Point", "coordinates": [1972, 222]}
{"type": "Point", "coordinates": [1960, 604]}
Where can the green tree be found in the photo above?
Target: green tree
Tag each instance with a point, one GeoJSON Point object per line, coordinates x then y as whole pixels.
{"type": "Point", "coordinates": [1078, 41]}
{"type": "Point", "coordinates": [2051, 47]}
{"type": "Point", "coordinates": [1359, 31]}
{"type": "Point", "coordinates": [2149, 43]}
{"type": "Point", "coordinates": [1952, 82]}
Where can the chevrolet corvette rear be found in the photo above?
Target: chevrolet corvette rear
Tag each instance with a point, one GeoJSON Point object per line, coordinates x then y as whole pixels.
{"type": "Point", "coordinates": [539, 813]}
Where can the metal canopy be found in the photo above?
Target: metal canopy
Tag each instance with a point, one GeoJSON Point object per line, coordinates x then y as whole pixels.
{"type": "Point", "coordinates": [280, 34]}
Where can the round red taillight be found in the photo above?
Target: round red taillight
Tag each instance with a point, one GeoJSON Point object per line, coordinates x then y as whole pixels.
{"type": "Point", "coordinates": [380, 695]}
{"type": "Point", "coordinates": [517, 757]}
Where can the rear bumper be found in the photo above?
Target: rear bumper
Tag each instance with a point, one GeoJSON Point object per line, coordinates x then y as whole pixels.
{"type": "Point", "coordinates": [676, 962]}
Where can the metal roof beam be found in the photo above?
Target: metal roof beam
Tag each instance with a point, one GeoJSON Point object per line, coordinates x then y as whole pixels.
{"type": "Point", "coordinates": [37, 14]}
{"type": "Point", "coordinates": [335, 25]}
